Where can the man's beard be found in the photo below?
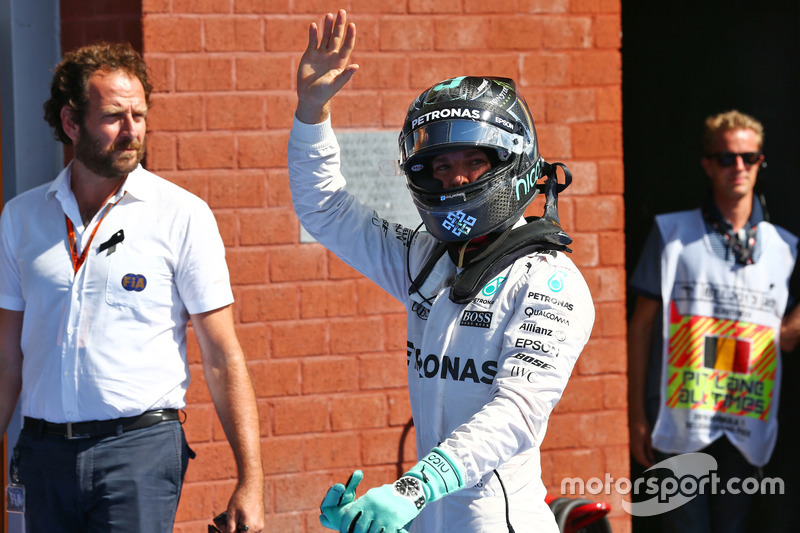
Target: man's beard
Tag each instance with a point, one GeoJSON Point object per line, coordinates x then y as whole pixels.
{"type": "Point", "coordinates": [108, 163]}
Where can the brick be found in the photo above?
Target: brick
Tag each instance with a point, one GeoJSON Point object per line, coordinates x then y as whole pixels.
{"type": "Point", "coordinates": [205, 150]}
{"type": "Point", "coordinates": [426, 71]}
{"type": "Point", "coordinates": [286, 523]}
{"type": "Point", "coordinates": [595, 6]}
{"type": "Point", "coordinates": [198, 390]}
{"type": "Point", "coordinates": [304, 491]}
{"type": "Point", "coordinates": [332, 450]}
{"type": "Point", "coordinates": [567, 32]}
{"type": "Point", "coordinates": [615, 393]}
{"type": "Point", "coordinates": [555, 142]}
{"type": "Point", "coordinates": [288, 33]}
{"type": "Point", "coordinates": [596, 67]}
{"type": "Point", "coordinates": [406, 33]}
{"type": "Point", "coordinates": [356, 110]}
{"type": "Point", "coordinates": [233, 34]}
{"type": "Point", "coordinates": [214, 461]}
{"type": "Point", "coordinates": [599, 213]}
{"type": "Point", "coordinates": [226, 222]}
{"type": "Point", "coordinates": [235, 112]}
{"type": "Point", "coordinates": [161, 151]}
{"type": "Point", "coordinates": [374, 300]}
{"type": "Point", "coordinates": [167, 33]}
{"type": "Point", "coordinates": [276, 302]}
{"type": "Point", "coordinates": [280, 110]}
{"type": "Point", "coordinates": [570, 464]}
{"type": "Point", "coordinates": [170, 112]}
{"type": "Point", "coordinates": [296, 263]}
{"type": "Point", "coordinates": [610, 320]}
{"type": "Point", "coordinates": [159, 71]}
{"type": "Point", "coordinates": [434, 6]}
{"type": "Point", "coordinates": [519, 32]}
{"type": "Point", "coordinates": [571, 105]}
{"type": "Point", "coordinates": [269, 226]}
{"type": "Point", "coordinates": [376, 6]}
{"type": "Point", "coordinates": [356, 335]}
{"type": "Point", "coordinates": [607, 31]}
{"type": "Point", "coordinates": [295, 416]}
{"type": "Point", "coordinates": [612, 177]}
{"type": "Point", "coordinates": [203, 73]}
{"type": "Point", "coordinates": [562, 432]}
{"type": "Point", "coordinates": [278, 191]}
{"type": "Point", "coordinates": [338, 269]}
{"type": "Point", "coordinates": [603, 356]}
{"type": "Point", "coordinates": [504, 65]}
{"type": "Point", "coordinates": [236, 190]}
{"type": "Point", "coordinates": [584, 178]}
{"type": "Point", "coordinates": [382, 371]}
{"type": "Point", "coordinates": [254, 339]}
{"type": "Point", "coordinates": [395, 106]}
{"type": "Point", "coordinates": [197, 425]}
{"type": "Point", "coordinates": [247, 266]}
{"type": "Point", "coordinates": [201, 6]}
{"type": "Point", "coordinates": [543, 6]}
{"type": "Point", "coordinates": [395, 330]}
{"type": "Point", "coordinates": [282, 455]}
{"type": "Point", "coordinates": [386, 446]}
{"type": "Point", "coordinates": [264, 72]}
{"type": "Point", "coordinates": [154, 6]}
{"type": "Point", "coordinates": [609, 104]}
{"type": "Point", "coordinates": [358, 411]}
{"type": "Point", "coordinates": [582, 394]}
{"type": "Point", "coordinates": [276, 378]}
{"type": "Point", "coordinates": [196, 500]}
{"type": "Point", "coordinates": [261, 6]}
{"type": "Point", "coordinates": [325, 299]}
{"type": "Point", "coordinates": [606, 284]}
{"type": "Point", "coordinates": [597, 140]}
{"type": "Point", "coordinates": [262, 150]}
{"type": "Point", "coordinates": [607, 427]}
{"type": "Point", "coordinates": [118, 8]}
{"type": "Point", "coordinates": [399, 409]}
{"type": "Point", "coordinates": [482, 7]}
{"type": "Point", "coordinates": [545, 69]}
{"type": "Point", "coordinates": [585, 249]}
{"type": "Point", "coordinates": [327, 374]}
{"type": "Point", "coordinates": [299, 338]}
{"type": "Point", "coordinates": [612, 249]}
{"type": "Point", "coordinates": [380, 71]}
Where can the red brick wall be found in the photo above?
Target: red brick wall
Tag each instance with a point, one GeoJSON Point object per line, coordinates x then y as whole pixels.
{"type": "Point", "coordinates": [326, 347]}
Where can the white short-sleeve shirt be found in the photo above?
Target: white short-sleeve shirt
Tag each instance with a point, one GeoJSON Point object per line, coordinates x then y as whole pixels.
{"type": "Point", "coordinates": [109, 340]}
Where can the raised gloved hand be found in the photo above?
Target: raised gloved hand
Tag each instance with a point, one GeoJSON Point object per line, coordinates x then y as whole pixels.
{"type": "Point", "coordinates": [390, 508]}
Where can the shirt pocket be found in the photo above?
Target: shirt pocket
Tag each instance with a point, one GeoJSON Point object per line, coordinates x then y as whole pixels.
{"type": "Point", "coordinates": [138, 282]}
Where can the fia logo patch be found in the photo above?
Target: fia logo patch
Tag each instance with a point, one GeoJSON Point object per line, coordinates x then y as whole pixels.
{"type": "Point", "coordinates": [134, 282]}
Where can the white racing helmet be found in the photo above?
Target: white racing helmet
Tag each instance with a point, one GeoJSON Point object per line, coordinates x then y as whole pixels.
{"type": "Point", "coordinates": [470, 112]}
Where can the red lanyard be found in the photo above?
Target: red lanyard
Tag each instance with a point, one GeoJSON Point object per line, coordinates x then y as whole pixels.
{"type": "Point", "coordinates": [77, 260]}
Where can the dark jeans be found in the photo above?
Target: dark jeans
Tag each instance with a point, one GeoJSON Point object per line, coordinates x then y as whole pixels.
{"type": "Point", "coordinates": [714, 513]}
{"type": "Point", "coordinates": [126, 483]}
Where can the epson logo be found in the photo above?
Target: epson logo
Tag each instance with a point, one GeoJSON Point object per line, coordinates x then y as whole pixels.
{"type": "Point", "coordinates": [446, 113]}
{"type": "Point", "coordinates": [504, 122]}
{"type": "Point", "coordinates": [537, 345]}
{"type": "Point", "coordinates": [476, 319]}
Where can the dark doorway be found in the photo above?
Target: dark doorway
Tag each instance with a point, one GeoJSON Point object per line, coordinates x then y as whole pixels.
{"type": "Point", "coordinates": [683, 61]}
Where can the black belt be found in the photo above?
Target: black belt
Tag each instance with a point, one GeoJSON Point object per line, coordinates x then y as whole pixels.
{"type": "Point", "coordinates": [101, 428]}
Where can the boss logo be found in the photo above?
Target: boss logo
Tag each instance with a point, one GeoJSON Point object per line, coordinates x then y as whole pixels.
{"type": "Point", "coordinates": [476, 319]}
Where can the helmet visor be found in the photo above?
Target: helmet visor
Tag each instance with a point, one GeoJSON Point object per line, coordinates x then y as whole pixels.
{"type": "Point", "coordinates": [459, 132]}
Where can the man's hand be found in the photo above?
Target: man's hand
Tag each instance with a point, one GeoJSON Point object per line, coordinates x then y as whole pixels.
{"type": "Point", "coordinates": [641, 444]}
{"type": "Point", "coordinates": [325, 67]}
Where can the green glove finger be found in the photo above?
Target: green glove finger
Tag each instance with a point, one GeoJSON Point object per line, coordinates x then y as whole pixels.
{"type": "Point", "coordinates": [389, 508]}
{"type": "Point", "coordinates": [336, 498]}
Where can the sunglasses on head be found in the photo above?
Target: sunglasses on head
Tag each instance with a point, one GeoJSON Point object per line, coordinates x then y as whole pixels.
{"type": "Point", "coordinates": [728, 159]}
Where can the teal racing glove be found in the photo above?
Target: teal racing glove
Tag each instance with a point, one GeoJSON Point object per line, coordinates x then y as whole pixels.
{"type": "Point", "coordinates": [390, 508]}
{"type": "Point", "coordinates": [338, 496]}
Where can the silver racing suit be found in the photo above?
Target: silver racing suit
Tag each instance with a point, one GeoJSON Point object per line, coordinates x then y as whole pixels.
{"type": "Point", "coordinates": [483, 377]}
